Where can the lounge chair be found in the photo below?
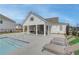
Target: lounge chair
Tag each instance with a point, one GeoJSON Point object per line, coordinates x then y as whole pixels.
{"type": "Point", "coordinates": [57, 49]}
{"type": "Point", "coordinates": [58, 46]}
{"type": "Point", "coordinates": [59, 41]}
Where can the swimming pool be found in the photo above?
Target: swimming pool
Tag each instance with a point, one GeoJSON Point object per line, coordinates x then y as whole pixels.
{"type": "Point", "coordinates": [8, 45]}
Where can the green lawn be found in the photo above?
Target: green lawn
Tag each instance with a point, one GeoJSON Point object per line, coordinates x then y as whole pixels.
{"type": "Point", "coordinates": [76, 52]}
{"type": "Point", "coordinates": [8, 32]}
{"type": "Point", "coordinates": [75, 41]}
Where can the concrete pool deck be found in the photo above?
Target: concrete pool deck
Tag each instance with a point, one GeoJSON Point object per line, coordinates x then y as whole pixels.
{"type": "Point", "coordinates": [35, 45]}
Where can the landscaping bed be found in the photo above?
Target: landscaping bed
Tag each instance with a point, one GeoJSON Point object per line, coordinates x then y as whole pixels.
{"type": "Point", "coordinates": [74, 41]}
{"type": "Point", "coordinates": [8, 32]}
{"type": "Point", "coordinates": [76, 52]}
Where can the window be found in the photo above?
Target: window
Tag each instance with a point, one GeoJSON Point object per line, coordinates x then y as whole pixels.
{"type": "Point", "coordinates": [32, 19]}
{"type": "Point", "coordinates": [1, 21]}
{"type": "Point", "coordinates": [60, 27]}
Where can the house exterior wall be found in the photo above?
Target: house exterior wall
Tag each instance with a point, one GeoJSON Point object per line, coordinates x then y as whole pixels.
{"type": "Point", "coordinates": [56, 29]}
{"type": "Point", "coordinates": [7, 25]}
{"type": "Point", "coordinates": [36, 21]}
{"type": "Point", "coordinates": [18, 26]}
{"type": "Point", "coordinates": [53, 28]}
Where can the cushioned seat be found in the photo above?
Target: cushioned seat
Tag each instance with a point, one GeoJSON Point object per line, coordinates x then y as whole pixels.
{"type": "Point", "coordinates": [56, 49]}
{"type": "Point", "coordinates": [59, 41]}
{"type": "Point", "coordinates": [58, 46]}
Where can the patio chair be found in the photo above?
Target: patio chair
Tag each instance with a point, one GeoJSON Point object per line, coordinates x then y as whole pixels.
{"type": "Point", "coordinates": [58, 46]}
{"type": "Point", "coordinates": [57, 49]}
{"type": "Point", "coordinates": [59, 41]}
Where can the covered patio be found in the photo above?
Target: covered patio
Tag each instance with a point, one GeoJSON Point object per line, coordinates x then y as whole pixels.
{"type": "Point", "coordinates": [37, 29]}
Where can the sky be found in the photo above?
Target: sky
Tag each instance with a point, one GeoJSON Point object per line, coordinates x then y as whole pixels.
{"type": "Point", "coordinates": [67, 13]}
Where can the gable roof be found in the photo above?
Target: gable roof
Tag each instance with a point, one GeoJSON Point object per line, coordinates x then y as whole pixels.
{"type": "Point", "coordinates": [35, 15]}
{"type": "Point", "coordinates": [53, 20]}
{"type": "Point", "coordinates": [18, 25]}
{"type": "Point", "coordinates": [7, 18]}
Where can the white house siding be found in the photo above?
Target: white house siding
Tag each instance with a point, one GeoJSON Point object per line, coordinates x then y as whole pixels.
{"type": "Point", "coordinates": [52, 28]}
{"type": "Point", "coordinates": [36, 21]}
{"type": "Point", "coordinates": [56, 29]}
{"type": "Point", "coordinates": [18, 26]}
{"type": "Point", "coordinates": [7, 25]}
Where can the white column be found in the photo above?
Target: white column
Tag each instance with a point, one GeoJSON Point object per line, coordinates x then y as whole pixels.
{"type": "Point", "coordinates": [23, 28]}
{"type": "Point", "coordinates": [36, 30]}
{"type": "Point", "coordinates": [28, 29]}
{"type": "Point", "coordinates": [44, 29]}
{"type": "Point", "coordinates": [48, 30]}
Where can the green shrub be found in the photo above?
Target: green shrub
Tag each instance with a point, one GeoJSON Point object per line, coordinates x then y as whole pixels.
{"type": "Point", "coordinates": [75, 41]}
{"type": "Point", "coordinates": [76, 52]}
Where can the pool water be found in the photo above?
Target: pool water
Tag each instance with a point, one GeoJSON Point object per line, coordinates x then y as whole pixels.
{"type": "Point", "coordinates": [8, 45]}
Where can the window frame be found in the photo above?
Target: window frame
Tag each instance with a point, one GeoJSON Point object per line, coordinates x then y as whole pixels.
{"type": "Point", "coordinates": [32, 19]}
{"type": "Point", "coordinates": [1, 22]}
